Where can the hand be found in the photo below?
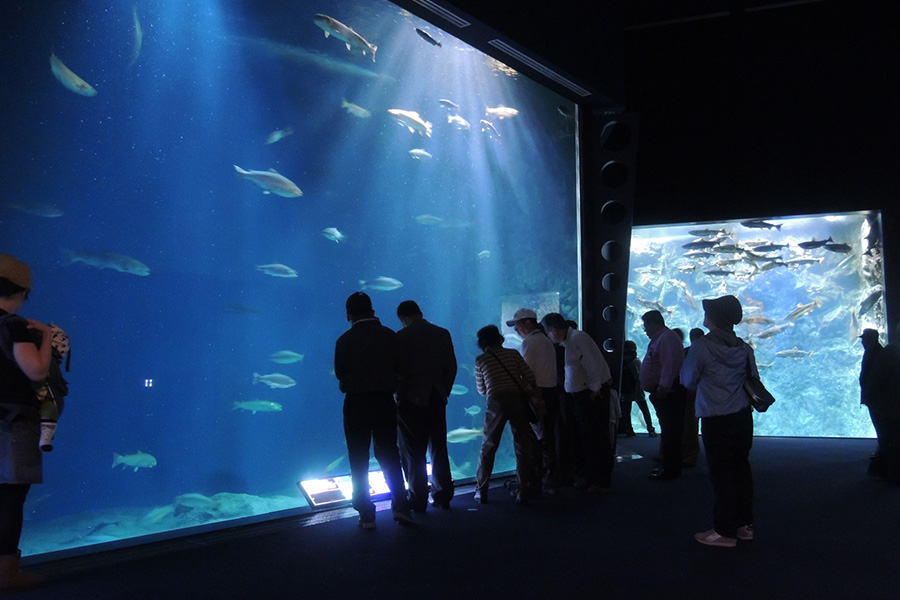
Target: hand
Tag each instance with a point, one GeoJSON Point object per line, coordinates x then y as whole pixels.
{"type": "Point", "coordinates": [42, 327]}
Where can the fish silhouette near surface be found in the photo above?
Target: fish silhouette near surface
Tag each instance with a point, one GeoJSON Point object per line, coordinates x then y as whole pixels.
{"type": "Point", "coordinates": [271, 182]}
{"type": "Point", "coordinates": [411, 120]}
{"type": "Point", "coordinates": [277, 270]}
{"type": "Point", "coordinates": [381, 283]}
{"type": "Point", "coordinates": [255, 406]}
{"type": "Point", "coordinates": [353, 40]}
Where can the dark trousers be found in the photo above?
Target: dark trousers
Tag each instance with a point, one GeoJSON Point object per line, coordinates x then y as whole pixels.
{"type": "Point", "coordinates": [592, 416]}
{"type": "Point", "coordinates": [372, 418]}
{"type": "Point", "coordinates": [12, 510]}
{"type": "Point", "coordinates": [550, 441]}
{"type": "Point", "coordinates": [502, 409]}
{"type": "Point", "coordinates": [670, 414]}
{"type": "Point", "coordinates": [421, 429]}
{"type": "Point", "coordinates": [568, 441]}
{"type": "Point", "coordinates": [625, 425]}
{"type": "Point", "coordinates": [727, 440]}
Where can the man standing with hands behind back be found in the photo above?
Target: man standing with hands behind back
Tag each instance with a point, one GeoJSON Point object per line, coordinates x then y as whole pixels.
{"type": "Point", "coordinates": [659, 377]}
{"type": "Point", "coordinates": [427, 372]}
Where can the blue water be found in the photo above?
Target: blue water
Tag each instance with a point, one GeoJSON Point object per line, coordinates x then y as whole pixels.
{"type": "Point", "coordinates": [810, 362]}
{"type": "Point", "coordinates": [144, 170]}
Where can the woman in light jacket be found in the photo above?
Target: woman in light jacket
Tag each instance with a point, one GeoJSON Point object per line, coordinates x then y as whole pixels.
{"type": "Point", "coordinates": [716, 367]}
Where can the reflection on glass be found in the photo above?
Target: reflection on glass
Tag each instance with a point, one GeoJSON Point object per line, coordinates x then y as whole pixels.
{"type": "Point", "coordinates": [200, 221]}
{"type": "Point", "coordinates": [809, 286]}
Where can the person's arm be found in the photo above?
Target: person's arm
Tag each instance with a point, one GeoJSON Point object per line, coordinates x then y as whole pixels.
{"type": "Point", "coordinates": [35, 361]}
{"type": "Point", "coordinates": [479, 379]}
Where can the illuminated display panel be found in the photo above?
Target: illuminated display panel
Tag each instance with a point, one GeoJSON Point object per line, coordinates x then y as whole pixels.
{"type": "Point", "coordinates": [809, 285]}
{"type": "Point", "coordinates": [202, 310]}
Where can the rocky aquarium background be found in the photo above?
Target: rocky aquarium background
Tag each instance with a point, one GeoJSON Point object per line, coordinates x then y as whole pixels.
{"type": "Point", "coordinates": [203, 312]}
{"type": "Point", "coordinates": [809, 285]}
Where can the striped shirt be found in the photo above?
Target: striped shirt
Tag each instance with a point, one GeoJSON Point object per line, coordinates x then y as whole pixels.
{"type": "Point", "coordinates": [490, 377]}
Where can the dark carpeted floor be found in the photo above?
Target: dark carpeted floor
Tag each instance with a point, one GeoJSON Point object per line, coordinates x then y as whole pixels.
{"type": "Point", "coordinates": [823, 530]}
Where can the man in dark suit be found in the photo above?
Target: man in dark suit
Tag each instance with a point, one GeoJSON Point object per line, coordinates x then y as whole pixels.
{"type": "Point", "coordinates": [427, 370]}
{"type": "Point", "coordinates": [365, 363]}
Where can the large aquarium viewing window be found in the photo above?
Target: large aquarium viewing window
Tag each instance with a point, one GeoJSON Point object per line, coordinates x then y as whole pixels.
{"type": "Point", "coordinates": [198, 186]}
{"type": "Point", "coordinates": [809, 285]}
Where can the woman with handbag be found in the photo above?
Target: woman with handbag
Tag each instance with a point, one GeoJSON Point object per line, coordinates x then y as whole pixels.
{"type": "Point", "coordinates": [716, 368]}
{"type": "Point", "coordinates": [502, 375]}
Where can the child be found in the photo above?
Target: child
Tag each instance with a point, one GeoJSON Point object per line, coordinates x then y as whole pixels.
{"type": "Point", "coordinates": [51, 391]}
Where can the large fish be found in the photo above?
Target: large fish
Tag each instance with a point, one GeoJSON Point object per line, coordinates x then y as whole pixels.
{"type": "Point", "coordinates": [271, 181]}
{"type": "Point", "coordinates": [109, 260]}
{"type": "Point", "coordinates": [276, 381]}
{"type": "Point", "coordinates": [255, 406]}
{"type": "Point", "coordinates": [138, 37]}
{"type": "Point", "coordinates": [501, 112]}
{"type": "Point", "coordinates": [427, 37]}
{"type": "Point", "coordinates": [38, 209]}
{"type": "Point", "coordinates": [774, 330]}
{"type": "Point", "coordinates": [462, 434]}
{"type": "Point", "coordinates": [803, 309]}
{"type": "Point", "coordinates": [381, 283]}
{"type": "Point", "coordinates": [334, 235]}
{"type": "Point", "coordinates": [352, 39]}
{"type": "Point", "coordinates": [70, 79]}
{"type": "Point", "coordinates": [355, 109]}
{"type": "Point", "coordinates": [286, 357]}
{"type": "Point", "coordinates": [138, 460]}
{"type": "Point", "coordinates": [411, 120]}
{"type": "Point", "coordinates": [279, 134]}
{"type": "Point", "coordinates": [277, 270]}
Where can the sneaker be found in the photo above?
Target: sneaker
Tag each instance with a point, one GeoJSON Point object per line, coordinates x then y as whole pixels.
{"type": "Point", "coordinates": [367, 522]}
{"type": "Point", "coordinates": [745, 532]}
{"type": "Point", "coordinates": [711, 538]}
{"type": "Point", "coordinates": [481, 497]}
{"type": "Point", "coordinates": [403, 517]}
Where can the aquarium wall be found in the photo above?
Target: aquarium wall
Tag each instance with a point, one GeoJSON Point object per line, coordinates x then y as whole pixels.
{"type": "Point", "coordinates": [199, 185]}
{"type": "Point", "coordinates": [809, 285]}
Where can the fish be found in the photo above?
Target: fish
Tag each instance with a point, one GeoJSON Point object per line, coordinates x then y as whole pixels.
{"type": "Point", "coordinates": [653, 305]}
{"type": "Point", "coordinates": [271, 182]}
{"type": "Point", "coordinates": [758, 320]}
{"type": "Point", "coordinates": [276, 381]}
{"type": "Point", "coordinates": [428, 220]}
{"type": "Point", "coordinates": [727, 248]}
{"type": "Point", "coordinates": [700, 244]}
{"type": "Point", "coordinates": [483, 255]}
{"type": "Point", "coordinates": [770, 265]}
{"type": "Point", "coordinates": [108, 260]}
{"type": "Point", "coordinates": [159, 513]}
{"type": "Point", "coordinates": [870, 300]}
{"type": "Point", "coordinates": [381, 283]}
{"type": "Point", "coordinates": [138, 460]}
{"type": "Point", "coordinates": [334, 235]}
{"type": "Point", "coordinates": [854, 326]}
{"type": "Point", "coordinates": [814, 243]}
{"type": "Point", "coordinates": [760, 224]}
{"type": "Point", "coordinates": [69, 79]}
{"type": "Point", "coordinates": [472, 410]}
{"type": "Point", "coordinates": [769, 247]}
{"type": "Point", "coordinates": [334, 464]}
{"type": "Point", "coordinates": [719, 272]}
{"type": "Point", "coordinates": [340, 31]}
{"type": "Point", "coordinates": [803, 309]}
{"type": "Point", "coordinates": [501, 112]}
{"type": "Point", "coordinates": [419, 154]}
{"type": "Point", "coordinates": [463, 434]}
{"type": "Point", "coordinates": [286, 357]}
{"type": "Point", "coordinates": [277, 270]}
{"type": "Point", "coordinates": [488, 128]}
{"type": "Point", "coordinates": [38, 209]}
{"type": "Point", "coordinates": [425, 36]}
{"type": "Point", "coordinates": [794, 353]}
{"type": "Point", "coordinates": [772, 331]}
{"type": "Point", "coordinates": [458, 389]}
{"type": "Point", "coordinates": [355, 109]}
{"type": "Point", "coordinates": [795, 262]}
{"type": "Point", "coordinates": [839, 248]}
{"type": "Point", "coordinates": [279, 134]}
{"type": "Point", "coordinates": [698, 254]}
{"type": "Point", "coordinates": [450, 105]}
{"type": "Point", "coordinates": [138, 39]}
{"type": "Point", "coordinates": [458, 122]}
{"type": "Point", "coordinates": [687, 268]}
{"type": "Point", "coordinates": [255, 406]}
{"type": "Point", "coordinates": [707, 232]}
{"type": "Point", "coordinates": [411, 120]}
